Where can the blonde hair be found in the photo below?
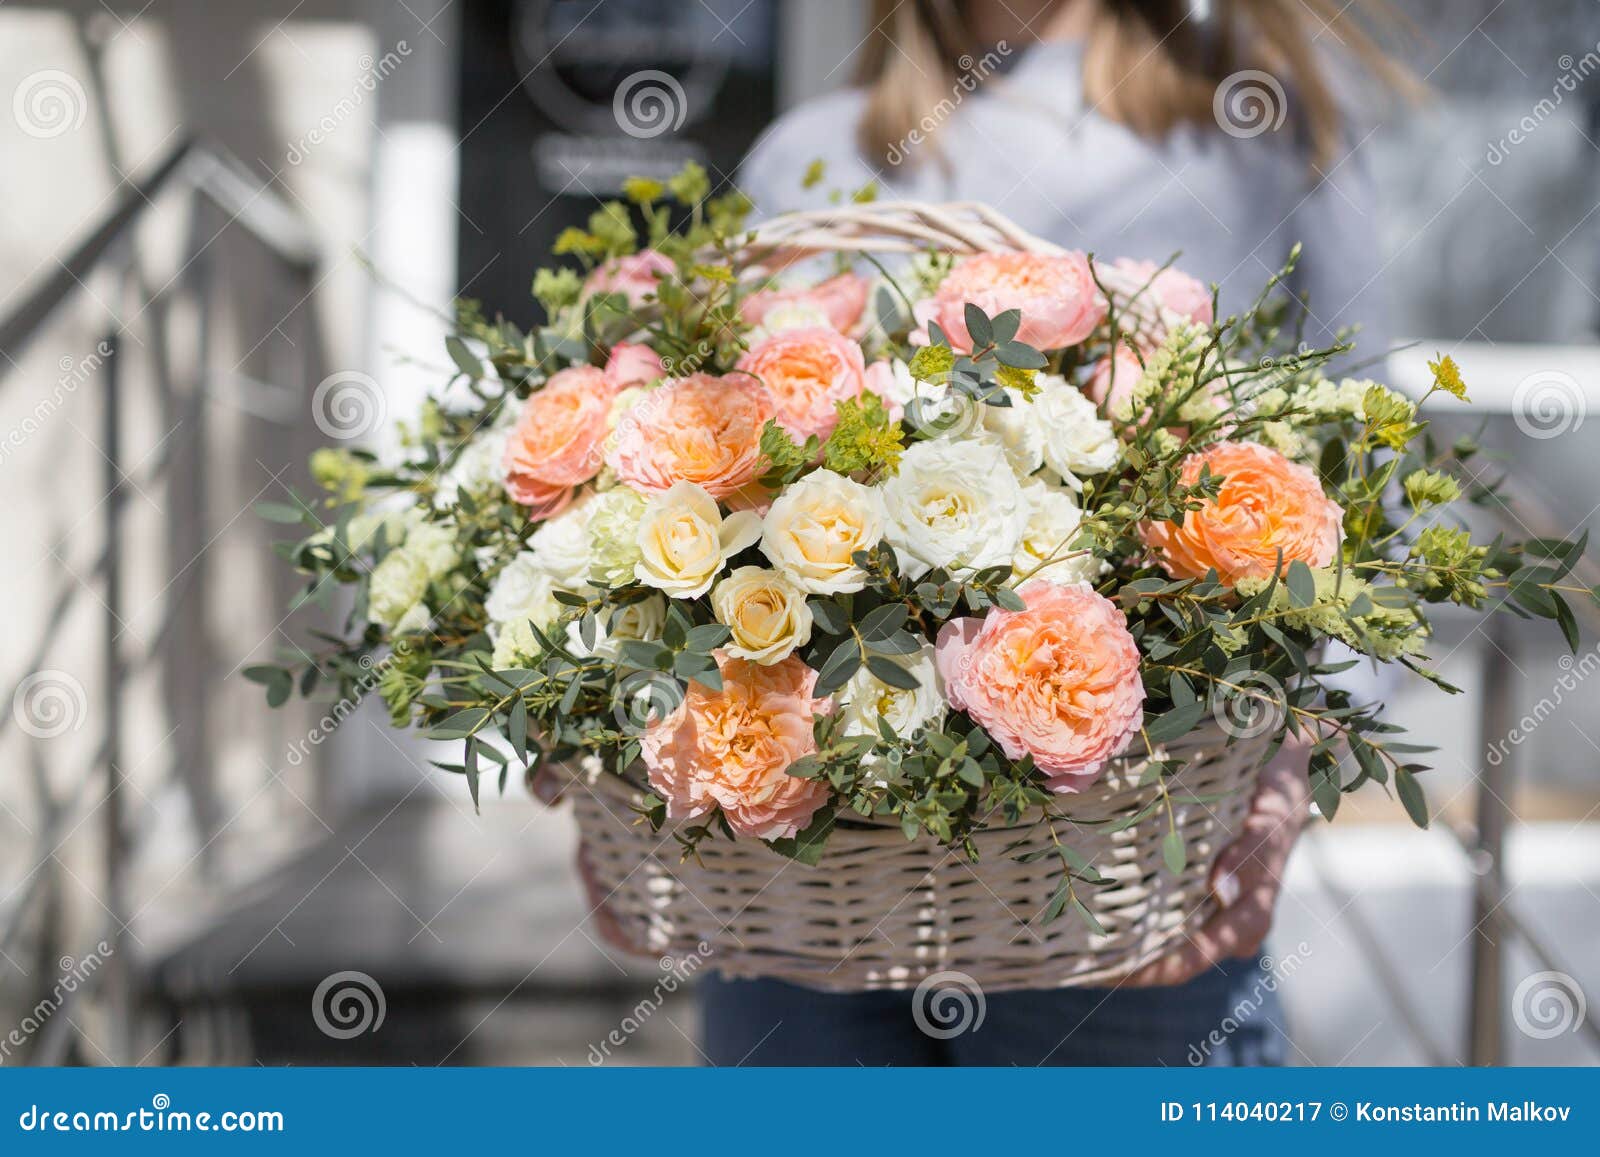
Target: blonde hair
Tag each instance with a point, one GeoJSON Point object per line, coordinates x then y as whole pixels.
{"type": "Point", "coordinates": [1145, 65]}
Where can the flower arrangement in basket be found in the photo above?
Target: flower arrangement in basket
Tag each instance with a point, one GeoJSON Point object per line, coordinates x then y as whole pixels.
{"type": "Point", "coordinates": [896, 591]}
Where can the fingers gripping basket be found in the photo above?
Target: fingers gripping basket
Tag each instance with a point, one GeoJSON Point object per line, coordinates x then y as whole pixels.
{"type": "Point", "coordinates": [880, 911]}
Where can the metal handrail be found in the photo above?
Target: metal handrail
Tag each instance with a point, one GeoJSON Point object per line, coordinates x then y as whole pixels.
{"type": "Point", "coordinates": [214, 180]}
{"type": "Point", "coordinates": [201, 168]}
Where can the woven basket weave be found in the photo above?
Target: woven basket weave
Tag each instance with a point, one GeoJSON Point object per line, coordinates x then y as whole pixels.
{"type": "Point", "coordinates": [880, 911]}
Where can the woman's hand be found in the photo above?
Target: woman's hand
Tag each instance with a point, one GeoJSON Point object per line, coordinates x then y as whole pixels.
{"type": "Point", "coordinates": [1245, 878]}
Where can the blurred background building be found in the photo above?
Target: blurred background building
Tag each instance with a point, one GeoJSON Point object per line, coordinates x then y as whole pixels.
{"type": "Point", "coordinates": [210, 212]}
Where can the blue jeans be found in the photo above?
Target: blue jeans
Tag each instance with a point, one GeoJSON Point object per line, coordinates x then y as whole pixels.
{"type": "Point", "coordinates": [1231, 1015]}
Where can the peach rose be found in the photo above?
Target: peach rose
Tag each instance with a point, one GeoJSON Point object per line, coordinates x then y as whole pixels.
{"type": "Point", "coordinates": [842, 300]}
{"type": "Point", "coordinates": [1267, 504]}
{"type": "Point", "coordinates": [556, 442]}
{"type": "Point", "coordinates": [701, 429]}
{"type": "Point", "coordinates": [808, 371]}
{"type": "Point", "coordinates": [1058, 681]}
{"type": "Point", "coordinates": [632, 364]}
{"type": "Point", "coordinates": [635, 276]}
{"type": "Point", "coordinates": [1174, 290]}
{"type": "Point", "coordinates": [731, 749]}
{"type": "Point", "coordinates": [1055, 292]}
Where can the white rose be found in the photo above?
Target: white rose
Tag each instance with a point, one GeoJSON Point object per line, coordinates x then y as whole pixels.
{"type": "Point", "coordinates": [1048, 538]}
{"type": "Point", "coordinates": [562, 545]}
{"type": "Point", "coordinates": [477, 469]}
{"type": "Point", "coordinates": [644, 619]}
{"type": "Point", "coordinates": [814, 527]}
{"type": "Point", "coordinates": [395, 592]}
{"type": "Point", "coordinates": [523, 593]}
{"type": "Point", "coordinates": [1077, 440]}
{"type": "Point", "coordinates": [956, 505]}
{"type": "Point", "coordinates": [766, 613]}
{"type": "Point", "coordinates": [790, 315]}
{"type": "Point", "coordinates": [684, 541]}
{"type": "Point", "coordinates": [1020, 431]}
{"type": "Point", "coordinates": [865, 699]}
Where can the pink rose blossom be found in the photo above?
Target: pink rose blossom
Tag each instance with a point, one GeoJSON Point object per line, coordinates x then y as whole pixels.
{"type": "Point", "coordinates": [842, 300]}
{"type": "Point", "coordinates": [807, 371]}
{"type": "Point", "coordinates": [635, 276]}
{"type": "Point", "coordinates": [1055, 292]}
{"type": "Point", "coordinates": [1111, 382]}
{"type": "Point", "coordinates": [1173, 289]}
{"type": "Point", "coordinates": [1058, 681]}
{"type": "Point", "coordinates": [632, 364]}
{"type": "Point", "coordinates": [731, 749]}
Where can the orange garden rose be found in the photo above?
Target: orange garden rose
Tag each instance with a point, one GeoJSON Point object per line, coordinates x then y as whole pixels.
{"type": "Point", "coordinates": [557, 439]}
{"type": "Point", "coordinates": [1058, 680]}
{"type": "Point", "coordinates": [808, 371]}
{"type": "Point", "coordinates": [1267, 504]}
{"type": "Point", "coordinates": [1055, 292]}
{"type": "Point", "coordinates": [701, 429]}
{"type": "Point", "coordinates": [732, 748]}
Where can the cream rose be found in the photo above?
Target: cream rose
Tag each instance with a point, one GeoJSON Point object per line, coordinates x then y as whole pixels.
{"type": "Point", "coordinates": [765, 612]}
{"type": "Point", "coordinates": [955, 505]}
{"type": "Point", "coordinates": [1047, 541]}
{"type": "Point", "coordinates": [865, 699]}
{"type": "Point", "coordinates": [684, 540]}
{"type": "Point", "coordinates": [644, 619]}
{"type": "Point", "coordinates": [395, 592]}
{"type": "Point", "coordinates": [816, 525]}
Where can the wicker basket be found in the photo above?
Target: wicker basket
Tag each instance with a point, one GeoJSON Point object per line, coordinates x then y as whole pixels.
{"type": "Point", "coordinates": [880, 911]}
